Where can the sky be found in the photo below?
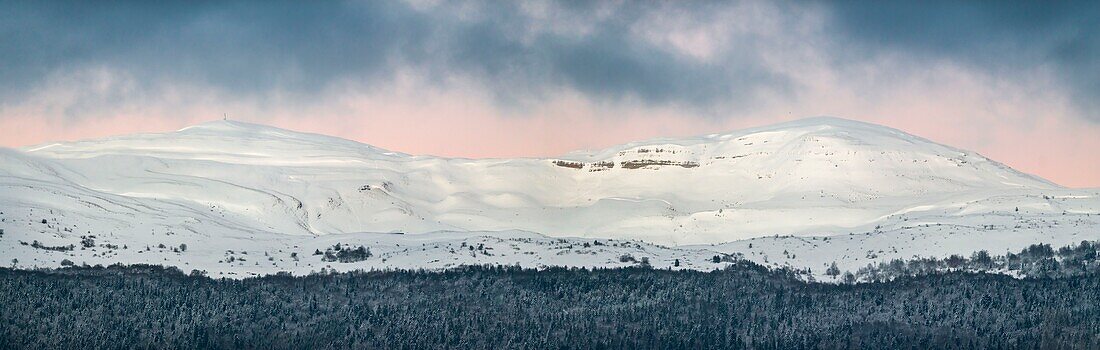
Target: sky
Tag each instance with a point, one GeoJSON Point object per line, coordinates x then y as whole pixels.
{"type": "Point", "coordinates": [1018, 82]}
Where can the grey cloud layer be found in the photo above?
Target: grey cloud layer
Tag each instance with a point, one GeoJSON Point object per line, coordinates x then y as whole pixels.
{"type": "Point", "coordinates": [1002, 37]}
{"type": "Point", "coordinates": [251, 49]}
{"type": "Point", "coordinates": [243, 49]}
{"type": "Point", "coordinates": [301, 47]}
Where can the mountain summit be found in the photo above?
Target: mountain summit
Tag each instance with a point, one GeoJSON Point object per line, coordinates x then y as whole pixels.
{"type": "Point", "coordinates": [816, 177]}
{"type": "Point", "coordinates": [829, 173]}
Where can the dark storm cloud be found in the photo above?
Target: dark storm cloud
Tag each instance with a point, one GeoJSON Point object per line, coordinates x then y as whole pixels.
{"type": "Point", "coordinates": [297, 49]}
{"type": "Point", "coordinates": [1001, 37]}
{"type": "Point", "coordinates": [244, 49]}
{"type": "Point", "coordinates": [251, 49]}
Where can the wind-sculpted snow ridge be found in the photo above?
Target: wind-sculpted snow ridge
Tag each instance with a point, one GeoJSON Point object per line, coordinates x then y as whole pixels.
{"type": "Point", "coordinates": [771, 194]}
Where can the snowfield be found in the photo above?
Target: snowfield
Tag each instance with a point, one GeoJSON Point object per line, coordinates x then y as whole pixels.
{"type": "Point", "coordinates": [248, 199]}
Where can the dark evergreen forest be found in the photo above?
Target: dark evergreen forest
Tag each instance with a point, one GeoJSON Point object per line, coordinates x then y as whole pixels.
{"type": "Point", "coordinates": [741, 306]}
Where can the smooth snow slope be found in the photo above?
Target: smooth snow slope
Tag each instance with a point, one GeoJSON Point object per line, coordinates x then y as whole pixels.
{"type": "Point", "coordinates": [226, 184]}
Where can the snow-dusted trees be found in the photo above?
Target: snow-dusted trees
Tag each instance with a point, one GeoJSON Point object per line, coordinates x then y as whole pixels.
{"type": "Point", "coordinates": [1036, 261]}
{"type": "Point", "coordinates": [343, 254]}
{"type": "Point", "coordinates": [849, 278]}
{"type": "Point", "coordinates": [741, 306]}
{"type": "Point", "coordinates": [832, 271]}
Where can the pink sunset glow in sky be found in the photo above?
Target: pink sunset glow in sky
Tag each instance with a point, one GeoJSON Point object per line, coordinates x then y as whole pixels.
{"type": "Point", "coordinates": [1036, 138]}
{"type": "Point", "coordinates": [544, 80]}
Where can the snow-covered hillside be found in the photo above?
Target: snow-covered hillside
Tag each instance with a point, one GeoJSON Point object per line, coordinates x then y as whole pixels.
{"type": "Point", "coordinates": [223, 188]}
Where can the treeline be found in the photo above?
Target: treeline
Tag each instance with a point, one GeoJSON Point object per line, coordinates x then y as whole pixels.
{"type": "Point", "coordinates": [742, 306]}
{"type": "Point", "coordinates": [1035, 261]}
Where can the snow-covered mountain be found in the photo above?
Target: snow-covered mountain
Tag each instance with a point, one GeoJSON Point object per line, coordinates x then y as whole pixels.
{"type": "Point", "coordinates": [229, 186]}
